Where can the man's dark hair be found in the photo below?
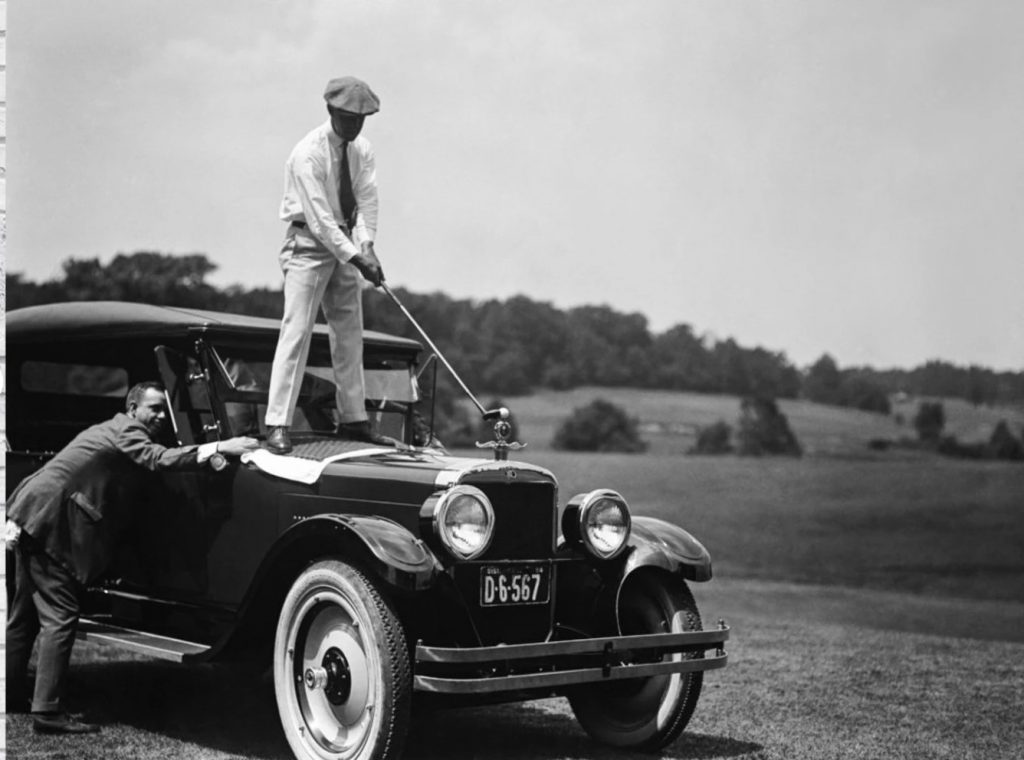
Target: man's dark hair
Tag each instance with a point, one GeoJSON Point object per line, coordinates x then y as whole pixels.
{"type": "Point", "coordinates": [139, 390]}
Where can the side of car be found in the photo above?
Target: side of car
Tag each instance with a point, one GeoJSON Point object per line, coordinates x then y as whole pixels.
{"type": "Point", "coordinates": [385, 573]}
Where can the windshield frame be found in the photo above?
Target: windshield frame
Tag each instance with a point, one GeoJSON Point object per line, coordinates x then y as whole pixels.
{"type": "Point", "coordinates": [316, 410]}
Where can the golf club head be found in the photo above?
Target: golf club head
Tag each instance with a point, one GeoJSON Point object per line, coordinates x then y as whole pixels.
{"type": "Point", "coordinates": [501, 413]}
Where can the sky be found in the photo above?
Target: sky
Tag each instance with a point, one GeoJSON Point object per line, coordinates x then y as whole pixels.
{"type": "Point", "coordinates": [808, 177]}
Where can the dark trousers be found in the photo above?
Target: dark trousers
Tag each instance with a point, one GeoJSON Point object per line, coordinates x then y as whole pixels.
{"type": "Point", "coordinates": [45, 604]}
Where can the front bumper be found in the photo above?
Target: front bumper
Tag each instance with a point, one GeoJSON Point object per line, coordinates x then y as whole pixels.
{"type": "Point", "coordinates": [555, 664]}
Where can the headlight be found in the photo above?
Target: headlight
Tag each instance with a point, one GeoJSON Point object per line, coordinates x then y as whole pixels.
{"type": "Point", "coordinates": [599, 520]}
{"type": "Point", "coordinates": [464, 521]}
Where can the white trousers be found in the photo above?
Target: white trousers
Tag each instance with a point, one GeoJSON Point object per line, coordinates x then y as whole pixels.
{"type": "Point", "coordinates": [313, 279]}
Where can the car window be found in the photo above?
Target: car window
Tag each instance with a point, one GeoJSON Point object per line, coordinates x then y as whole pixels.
{"type": "Point", "coordinates": [244, 380]}
{"type": "Point", "coordinates": [381, 384]}
{"type": "Point", "coordinates": [74, 379]}
{"type": "Point", "coordinates": [249, 373]}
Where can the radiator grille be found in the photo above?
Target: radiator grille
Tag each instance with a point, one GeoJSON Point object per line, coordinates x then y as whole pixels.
{"type": "Point", "coordinates": [525, 516]}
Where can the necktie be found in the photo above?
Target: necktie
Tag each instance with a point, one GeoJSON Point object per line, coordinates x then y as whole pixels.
{"type": "Point", "coordinates": [345, 194]}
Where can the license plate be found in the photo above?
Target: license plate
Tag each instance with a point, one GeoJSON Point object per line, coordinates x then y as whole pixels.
{"type": "Point", "coordinates": [503, 585]}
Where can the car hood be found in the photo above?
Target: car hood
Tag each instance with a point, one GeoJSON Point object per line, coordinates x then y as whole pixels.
{"type": "Point", "coordinates": [433, 467]}
{"type": "Point", "coordinates": [327, 462]}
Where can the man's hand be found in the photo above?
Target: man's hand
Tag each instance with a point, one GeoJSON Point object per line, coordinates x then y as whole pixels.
{"type": "Point", "coordinates": [368, 265]}
{"type": "Point", "coordinates": [235, 447]}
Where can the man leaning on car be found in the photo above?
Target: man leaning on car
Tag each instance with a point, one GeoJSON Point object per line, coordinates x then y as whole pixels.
{"type": "Point", "coordinates": [64, 522]}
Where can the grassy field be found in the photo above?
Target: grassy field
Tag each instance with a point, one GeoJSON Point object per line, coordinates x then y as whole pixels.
{"type": "Point", "coordinates": [669, 420]}
{"type": "Point", "coordinates": [936, 526]}
{"type": "Point", "coordinates": [841, 515]}
{"type": "Point", "coordinates": [876, 601]}
{"type": "Point", "coordinates": [793, 691]}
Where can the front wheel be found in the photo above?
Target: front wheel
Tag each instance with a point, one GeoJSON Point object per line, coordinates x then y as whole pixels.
{"type": "Point", "coordinates": [341, 668]}
{"type": "Point", "coordinates": [645, 713]}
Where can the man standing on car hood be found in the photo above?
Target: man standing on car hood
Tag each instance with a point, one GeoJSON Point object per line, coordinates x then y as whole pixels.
{"type": "Point", "coordinates": [330, 203]}
{"type": "Point", "coordinates": [66, 519]}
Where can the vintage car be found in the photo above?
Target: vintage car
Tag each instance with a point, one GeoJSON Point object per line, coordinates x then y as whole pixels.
{"type": "Point", "coordinates": [363, 576]}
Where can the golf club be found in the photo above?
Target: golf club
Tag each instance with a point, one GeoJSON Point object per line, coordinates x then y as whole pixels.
{"type": "Point", "coordinates": [488, 414]}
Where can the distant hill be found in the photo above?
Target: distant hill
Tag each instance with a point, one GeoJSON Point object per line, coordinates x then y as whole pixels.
{"type": "Point", "coordinates": [669, 420]}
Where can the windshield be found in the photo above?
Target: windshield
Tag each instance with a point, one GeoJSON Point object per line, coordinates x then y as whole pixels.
{"type": "Point", "coordinates": [245, 382]}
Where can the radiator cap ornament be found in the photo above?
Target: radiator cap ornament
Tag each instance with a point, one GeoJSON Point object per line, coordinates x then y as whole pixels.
{"type": "Point", "coordinates": [502, 431]}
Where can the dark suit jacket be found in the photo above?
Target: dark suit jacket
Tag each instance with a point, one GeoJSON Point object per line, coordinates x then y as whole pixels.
{"type": "Point", "coordinates": [76, 506]}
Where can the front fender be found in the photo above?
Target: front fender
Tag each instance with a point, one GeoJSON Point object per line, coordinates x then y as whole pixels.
{"type": "Point", "coordinates": [383, 548]}
{"type": "Point", "coordinates": [656, 543]}
{"type": "Point", "coordinates": [389, 549]}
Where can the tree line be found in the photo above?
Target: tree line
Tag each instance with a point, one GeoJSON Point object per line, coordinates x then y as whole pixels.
{"type": "Point", "coordinates": [514, 346]}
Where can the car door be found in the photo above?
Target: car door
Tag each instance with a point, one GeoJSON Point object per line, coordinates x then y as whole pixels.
{"type": "Point", "coordinates": [208, 539]}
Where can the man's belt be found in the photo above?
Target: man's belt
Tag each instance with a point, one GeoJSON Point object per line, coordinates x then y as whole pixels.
{"type": "Point", "coordinates": [302, 225]}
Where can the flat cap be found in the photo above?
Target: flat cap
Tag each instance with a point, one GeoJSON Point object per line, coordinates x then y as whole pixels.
{"type": "Point", "coordinates": [352, 95]}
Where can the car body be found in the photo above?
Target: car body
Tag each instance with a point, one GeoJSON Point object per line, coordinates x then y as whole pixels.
{"type": "Point", "coordinates": [362, 575]}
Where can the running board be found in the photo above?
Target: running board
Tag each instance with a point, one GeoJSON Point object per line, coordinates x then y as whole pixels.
{"type": "Point", "coordinates": [151, 644]}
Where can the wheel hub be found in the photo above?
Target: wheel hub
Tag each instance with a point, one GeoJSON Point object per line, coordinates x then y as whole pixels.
{"type": "Point", "coordinates": [333, 676]}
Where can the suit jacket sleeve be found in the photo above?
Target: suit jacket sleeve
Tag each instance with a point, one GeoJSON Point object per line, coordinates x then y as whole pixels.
{"type": "Point", "coordinates": [134, 442]}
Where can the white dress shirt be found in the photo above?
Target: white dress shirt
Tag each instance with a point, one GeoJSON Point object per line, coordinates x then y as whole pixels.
{"type": "Point", "coordinates": [311, 190]}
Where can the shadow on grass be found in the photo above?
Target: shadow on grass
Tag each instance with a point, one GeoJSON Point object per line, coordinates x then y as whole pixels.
{"type": "Point", "coordinates": [503, 732]}
{"type": "Point", "coordinates": [141, 704]}
{"type": "Point", "coordinates": [704, 746]}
